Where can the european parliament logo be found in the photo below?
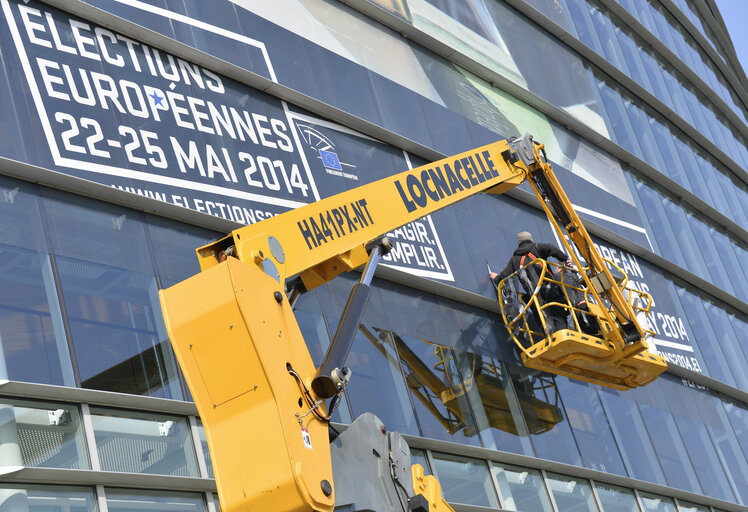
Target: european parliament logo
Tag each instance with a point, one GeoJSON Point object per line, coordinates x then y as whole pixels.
{"type": "Point", "coordinates": [330, 160]}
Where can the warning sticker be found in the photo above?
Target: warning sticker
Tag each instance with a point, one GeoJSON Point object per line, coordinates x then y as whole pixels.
{"type": "Point", "coordinates": [306, 437]}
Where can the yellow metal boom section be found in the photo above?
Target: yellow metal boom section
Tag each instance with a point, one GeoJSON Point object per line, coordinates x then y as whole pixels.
{"type": "Point", "coordinates": [325, 238]}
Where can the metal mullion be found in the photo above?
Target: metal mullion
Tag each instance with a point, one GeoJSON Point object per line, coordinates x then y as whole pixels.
{"type": "Point", "coordinates": [593, 486]}
{"type": "Point", "coordinates": [198, 447]}
{"type": "Point", "coordinates": [101, 499]}
{"type": "Point", "coordinates": [430, 460]}
{"type": "Point", "coordinates": [90, 436]}
{"type": "Point", "coordinates": [547, 486]}
{"type": "Point", "coordinates": [209, 502]}
{"type": "Point", "coordinates": [638, 499]}
{"type": "Point", "coordinates": [495, 482]}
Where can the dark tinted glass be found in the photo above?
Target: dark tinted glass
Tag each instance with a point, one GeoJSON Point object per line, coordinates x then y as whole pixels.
{"type": "Point", "coordinates": [32, 336]}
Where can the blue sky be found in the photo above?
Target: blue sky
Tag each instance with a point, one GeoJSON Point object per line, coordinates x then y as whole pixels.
{"type": "Point", "coordinates": [735, 14]}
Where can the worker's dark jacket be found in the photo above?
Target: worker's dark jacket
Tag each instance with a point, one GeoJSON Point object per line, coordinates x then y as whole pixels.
{"type": "Point", "coordinates": [543, 251]}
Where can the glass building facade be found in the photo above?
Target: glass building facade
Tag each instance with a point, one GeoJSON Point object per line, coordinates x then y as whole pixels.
{"type": "Point", "coordinates": [133, 132]}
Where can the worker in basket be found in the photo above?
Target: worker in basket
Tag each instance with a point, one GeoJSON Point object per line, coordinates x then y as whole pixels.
{"type": "Point", "coordinates": [526, 252]}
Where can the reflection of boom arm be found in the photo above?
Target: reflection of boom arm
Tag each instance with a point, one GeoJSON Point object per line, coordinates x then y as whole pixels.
{"type": "Point", "coordinates": [261, 399]}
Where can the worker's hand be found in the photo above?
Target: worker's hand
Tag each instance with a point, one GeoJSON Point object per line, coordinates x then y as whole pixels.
{"type": "Point", "coordinates": [493, 275]}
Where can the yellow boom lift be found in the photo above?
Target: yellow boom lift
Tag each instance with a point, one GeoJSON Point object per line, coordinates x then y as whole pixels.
{"type": "Point", "coordinates": [261, 399]}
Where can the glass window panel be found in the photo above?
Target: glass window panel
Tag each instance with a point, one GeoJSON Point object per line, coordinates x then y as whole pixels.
{"type": "Point", "coordinates": [606, 33]}
{"type": "Point", "coordinates": [590, 426]}
{"type": "Point", "coordinates": [730, 189]}
{"type": "Point", "coordinates": [150, 443]}
{"type": "Point", "coordinates": [621, 129]}
{"type": "Point", "coordinates": [712, 474]}
{"type": "Point", "coordinates": [676, 93]}
{"type": "Point", "coordinates": [125, 500]}
{"type": "Point", "coordinates": [616, 499]}
{"type": "Point", "coordinates": [111, 297]}
{"type": "Point", "coordinates": [118, 333]}
{"type": "Point", "coordinates": [694, 180]}
{"type": "Point", "coordinates": [654, 73]}
{"type": "Point", "coordinates": [464, 480]}
{"type": "Point", "coordinates": [585, 30]}
{"type": "Point", "coordinates": [651, 200]}
{"type": "Point", "coordinates": [650, 146]}
{"type": "Point", "coordinates": [733, 266]}
{"type": "Point", "coordinates": [547, 420]}
{"type": "Point", "coordinates": [419, 457]}
{"type": "Point", "coordinates": [633, 57]}
{"type": "Point", "coordinates": [42, 434]}
{"type": "Point", "coordinates": [669, 446]}
{"type": "Point", "coordinates": [32, 335]}
{"type": "Point", "coordinates": [704, 336]}
{"type": "Point", "coordinates": [728, 342]}
{"type": "Point", "coordinates": [557, 11]}
{"type": "Point", "coordinates": [522, 488]}
{"type": "Point", "coordinates": [571, 493]}
{"type": "Point", "coordinates": [687, 244]}
{"type": "Point", "coordinates": [95, 231]}
{"type": "Point", "coordinates": [498, 406]}
{"type": "Point", "coordinates": [173, 245]}
{"type": "Point", "coordinates": [437, 390]}
{"type": "Point", "coordinates": [738, 415]}
{"type": "Point", "coordinates": [46, 498]}
{"type": "Point", "coordinates": [684, 506]}
{"type": "Point", "coordinates": [379, 386]}
{"type": "Point", "coordinates": [708, 250]}
{"type": "Point", "coordinates": [632, 437]}
{"type": "Point", "coordinates": [204, 446]}
{"type": "Point", "coordinates": [655, 503]}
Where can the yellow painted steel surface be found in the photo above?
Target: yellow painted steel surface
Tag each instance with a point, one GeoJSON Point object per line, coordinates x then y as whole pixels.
{"type": "Point", "coordinates": [325, 238]}
{"type": "Point", "coordinates": [429, 487]}
{"type": "Point", "coordinates": [594, 360]}
{"type": "Point", "coordinates": [233, 341]}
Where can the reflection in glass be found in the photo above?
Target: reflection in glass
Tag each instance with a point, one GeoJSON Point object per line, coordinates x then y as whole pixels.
{"type": "Point", "coordinates": [590, 426]}
{"type": "Point", "coordinates": [204, 446]}
{"type": "Point", "coordinates": [656, 503]}
{"type": "Point", "coordinates": [522, 488]}
{"type": "Point", "coordinates": [684, 506]}
{"type": "Point", "coordinates": [378, 386]}
{"type": "Point", "coordinates": [42, 434]}
{"type": "Point", "coordinates": [670, 449]}
{"type": "Point", "coordinates": [419, 457]}
{"type": "Point", "coordinates": [571, 493]}
{"type": "Point", "coordinates": [439, 395]}
{"type": "Point", "coordinates": [46, 498]}
{"type": "Point", "coordinates": [549, 426]}
{"type": "Point", "coordinates": [111, 297]}
{"type": "Point", "coordinates": [464, 480]}
{"type": "Point", "coordinates": [113, 315]}
{"type": "Point", "coordinates": [632, 437]}
{"type": "Point", "coordinates": [143, 443]}
{"type": "Point", "coordinates": [124, 500]}
{"type": "Point", "coordinates": [32, 336]}
{"type": "Point", "coordinates": [616, 499]}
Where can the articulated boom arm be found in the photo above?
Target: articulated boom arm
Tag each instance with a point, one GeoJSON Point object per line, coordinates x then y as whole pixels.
{"type": "Point", "coordinates": [598, 278]}
{"type": "Point", "coordinates": [256, 388]}
{"type": "Point", "coordinates": [320, 240]}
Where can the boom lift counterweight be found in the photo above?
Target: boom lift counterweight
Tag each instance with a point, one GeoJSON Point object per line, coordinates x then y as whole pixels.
{"type": "Point", "coordinates": [260, 397]}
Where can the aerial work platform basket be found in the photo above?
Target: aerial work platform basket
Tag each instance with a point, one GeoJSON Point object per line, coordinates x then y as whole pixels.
{"type": "Point", "coordinates": [562, 325]}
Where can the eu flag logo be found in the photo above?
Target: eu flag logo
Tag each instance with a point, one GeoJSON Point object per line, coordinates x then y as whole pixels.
{"type": "Point", "coordinates": [330, 159]}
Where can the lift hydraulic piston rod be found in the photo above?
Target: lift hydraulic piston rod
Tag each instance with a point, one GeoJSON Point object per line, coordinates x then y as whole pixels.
{"type": "Point", "coordinates": [332, 375]}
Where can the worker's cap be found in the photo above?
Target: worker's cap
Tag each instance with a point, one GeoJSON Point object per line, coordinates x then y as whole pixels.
{"type": "Point", "coordinates": [523, 236]}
